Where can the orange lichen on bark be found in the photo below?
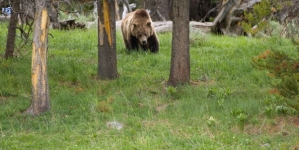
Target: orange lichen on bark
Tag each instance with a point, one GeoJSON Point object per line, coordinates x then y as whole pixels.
{"type": "Point", "coordinates": [34, 68]}
{"type": "Point", "coordinates": [44, 22]}
{"type": "Point", "coordinates": [107, 22]}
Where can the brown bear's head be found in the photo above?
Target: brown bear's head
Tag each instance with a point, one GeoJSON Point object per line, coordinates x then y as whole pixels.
{"type": "Point", "coordinates": [142, 27]}
{"type": "Point", "coordinates": [142, 31]}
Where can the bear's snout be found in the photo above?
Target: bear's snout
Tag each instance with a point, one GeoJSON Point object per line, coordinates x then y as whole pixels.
{"type": "Point", "coordinates": [143, 42]}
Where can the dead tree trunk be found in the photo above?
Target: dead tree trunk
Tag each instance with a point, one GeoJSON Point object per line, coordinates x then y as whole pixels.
{"type": "Point", "coordinates": [40, 88]}
{"type": "Point", "coordinates": [53, 15]}
{"type": "Point", "coordinates": [226, 19]}
{"type": "Point", "coordinates": [229, 17]}
{"type": "Point", "coordinates": [10, 43]}
{"type": "Point", "coordinates": [107, 63]}
{"type": "Point", "coordinates": [180, 57]}
{"type": "Point", "coordinates": [126, 3]}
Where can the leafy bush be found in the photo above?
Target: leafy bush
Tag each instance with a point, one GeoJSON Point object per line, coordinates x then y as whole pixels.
{"type": "Point", "coordinates": [284, 69]}
{"type": "Point", "coordinates": [259, 18]}
{"type": "Point", "coordinates": [256, 20]}
{"type": "Point", "coordinates": [276, 105]}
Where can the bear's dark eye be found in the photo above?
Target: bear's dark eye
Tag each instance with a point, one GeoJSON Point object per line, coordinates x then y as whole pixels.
{"type": "Point", "coordinates": [139, 35]}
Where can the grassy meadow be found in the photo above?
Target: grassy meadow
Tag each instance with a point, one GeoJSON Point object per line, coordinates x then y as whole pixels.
{"type": "Point", "coordinates": [228, 105]}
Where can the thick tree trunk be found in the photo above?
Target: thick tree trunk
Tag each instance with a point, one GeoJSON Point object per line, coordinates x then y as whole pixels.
{"type": "Point", "coordinates": [40, 88]}
{"type": "Point", "coordinates": [107, 63]}
{"type": "Point", "coordinates": [10, 43]}
{"type": "Point", "coordinates": [180, 57]}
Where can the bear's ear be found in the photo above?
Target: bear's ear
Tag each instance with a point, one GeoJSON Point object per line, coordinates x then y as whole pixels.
{"type": "Point", "coordinates": [148, 24]}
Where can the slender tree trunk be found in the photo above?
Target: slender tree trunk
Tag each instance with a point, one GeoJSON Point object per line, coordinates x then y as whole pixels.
{"type": "Point", "coordinates": [107, 63]}
{"type": "Point", "coordinates": [10, 43]}
{"type": "Point", "coordinates": [180, 57]}
{"type": "Point", "coordinates": [40, 88]}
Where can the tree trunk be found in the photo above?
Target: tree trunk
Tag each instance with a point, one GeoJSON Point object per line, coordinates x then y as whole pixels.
{"type": "Point", "coordinates": [107, 63]}
{"type": "Point", "coordinates": [226, 21]}
{"type": "Point", "coordinates": [10, 43]}
{"type": "Point", "coordinates": [40, 88]}
{"type": "Point", "coordinates": [180, 57]}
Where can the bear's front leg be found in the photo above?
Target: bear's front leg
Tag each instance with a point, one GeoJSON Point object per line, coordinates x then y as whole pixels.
{"type": "Point", "coordinates": [153, 43]}
{"type": "Point", "coordinates": [126, 44]}
{"type": "Point", "coordinates": [129, 44]}
{"type": "Point", "coordinates": [134, 43]}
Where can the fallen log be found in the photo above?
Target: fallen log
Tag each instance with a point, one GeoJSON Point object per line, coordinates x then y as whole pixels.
{"type": "Point", "coordinates": [4, 18]}
{"type": "Point", "coordinates": [70, 24]}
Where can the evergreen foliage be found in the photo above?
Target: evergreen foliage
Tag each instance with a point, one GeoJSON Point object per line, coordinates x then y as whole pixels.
{"type": "Point", "coordinates": [256, 20]}
{"type": "Point", "coordinates": [285, 70]}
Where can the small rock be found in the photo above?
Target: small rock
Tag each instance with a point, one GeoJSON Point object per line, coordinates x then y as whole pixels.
{"type": "Point", "coordinates": [114, 125]}
{"type": "Point", "coordinates": [265, 145]}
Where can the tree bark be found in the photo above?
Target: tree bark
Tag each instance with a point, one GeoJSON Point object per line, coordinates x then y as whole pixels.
{"type": "Point", "coordinates": [107, 63]}
{"type": "Point", "coordinates": [40, 88]}
{"type": "Point", "coordinates": [10, 43]}
{"type": "Point", "coordinates": [180, 57]}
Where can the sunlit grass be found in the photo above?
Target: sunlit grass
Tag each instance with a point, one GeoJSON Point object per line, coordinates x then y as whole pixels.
{"type": "Point", "coordinates": [223, 107]}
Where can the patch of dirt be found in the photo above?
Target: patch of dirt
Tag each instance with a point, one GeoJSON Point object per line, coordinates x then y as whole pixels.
{"type": "Point", "coordinates": [208, 82]}
{"type": "Point", "coordinates": [296, 147]}
{"type": "Point", "coordinates": [296, 121]}
{"type": "Point", "coordinates": [154, 123]}
{"type": "Point", "coordinates": [279, 125]}
{"type": "Point", "coordinates": [4, 98]}
{"type": "Point", "coordinates": [161, 107]}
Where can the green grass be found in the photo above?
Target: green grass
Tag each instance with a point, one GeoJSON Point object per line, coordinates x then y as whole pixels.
{"type": "Point", "coordinates": [223, 108]}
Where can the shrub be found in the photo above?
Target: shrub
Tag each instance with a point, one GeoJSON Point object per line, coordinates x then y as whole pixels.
{"type": "Point", "coordinates": [256, 20]}
{"type": "Point", "coordinates": [259, 17]}
{"type": "Point", "coordinates": [284, 70]}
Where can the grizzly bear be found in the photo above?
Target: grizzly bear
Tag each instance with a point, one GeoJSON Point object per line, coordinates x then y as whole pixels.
{"type": "Point", "coordinates": [138, 31]}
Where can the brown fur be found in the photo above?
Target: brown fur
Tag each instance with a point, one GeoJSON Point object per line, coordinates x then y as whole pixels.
{"type": "Point", "coordinates": [138, 31]}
